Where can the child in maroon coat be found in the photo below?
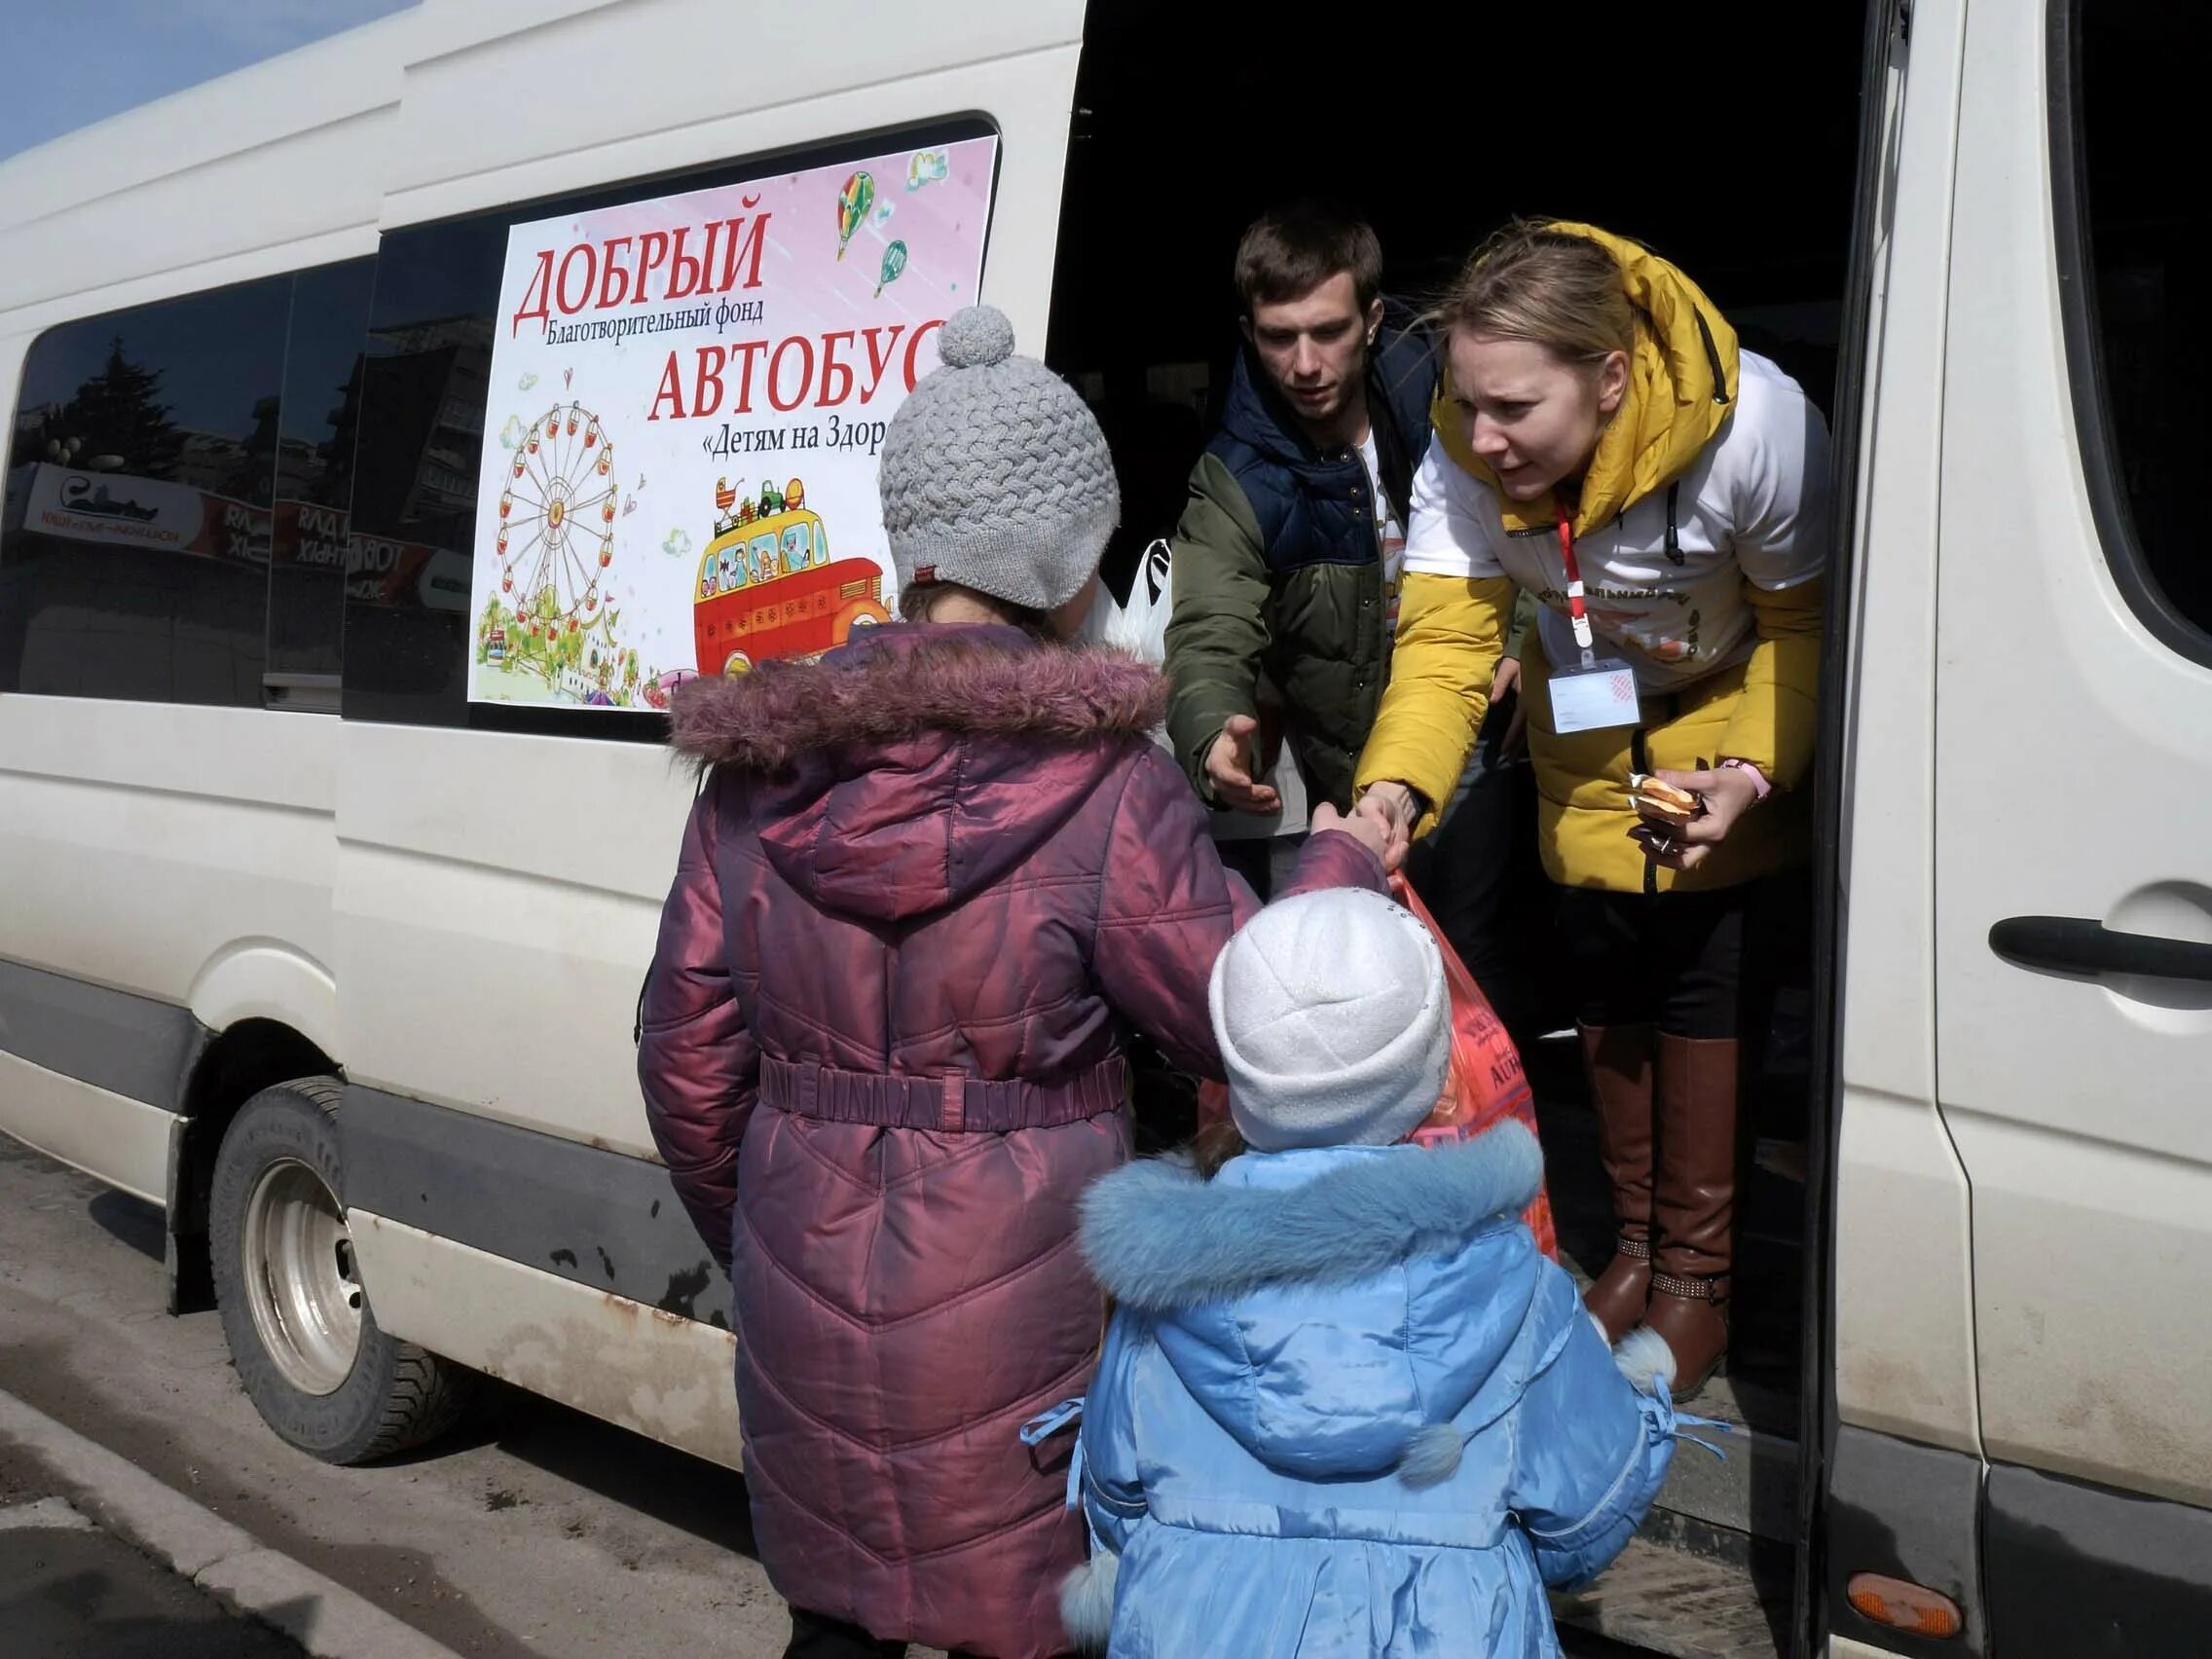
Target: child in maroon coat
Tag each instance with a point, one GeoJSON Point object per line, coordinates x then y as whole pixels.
{"type": "Point", "coordinates": [933, 881]}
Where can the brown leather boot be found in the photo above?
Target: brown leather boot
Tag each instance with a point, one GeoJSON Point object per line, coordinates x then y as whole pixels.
{"type": "Point", "coordinates": [1618, 1059]}
{"type": "Point", "coordinates": [1693, 1206]}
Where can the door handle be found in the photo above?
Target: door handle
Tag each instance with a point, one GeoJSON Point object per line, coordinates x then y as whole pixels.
{"type": "Point", "coordinates": [2081, 945]}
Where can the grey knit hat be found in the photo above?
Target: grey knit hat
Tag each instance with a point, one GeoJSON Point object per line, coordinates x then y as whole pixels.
{"type": "Point", "coordinates": [995, 474]}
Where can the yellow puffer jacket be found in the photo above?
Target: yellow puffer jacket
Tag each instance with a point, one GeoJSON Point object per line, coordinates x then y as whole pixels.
{"type": "Point", "coordinates": [1450, 631]}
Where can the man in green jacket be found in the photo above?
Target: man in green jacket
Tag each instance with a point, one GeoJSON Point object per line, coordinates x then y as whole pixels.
{"type": "Point", "coordinates": [1285, 572]}
{"type": "Point", "coordinates": [1285, 559]}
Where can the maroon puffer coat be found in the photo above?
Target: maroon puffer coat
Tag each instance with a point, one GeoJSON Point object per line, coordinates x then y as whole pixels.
{"type": "Point", "coordinates": [931, 882]}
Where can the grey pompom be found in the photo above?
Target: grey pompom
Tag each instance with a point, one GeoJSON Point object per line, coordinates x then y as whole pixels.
{"type": "Point", "coordinates": [976, 337]}
{"type": "Point", "coordinates": [1433, 1456]}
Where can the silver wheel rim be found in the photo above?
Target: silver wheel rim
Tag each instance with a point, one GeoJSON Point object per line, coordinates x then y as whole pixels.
{"type": "Point", "coordinates": [300, 1277]}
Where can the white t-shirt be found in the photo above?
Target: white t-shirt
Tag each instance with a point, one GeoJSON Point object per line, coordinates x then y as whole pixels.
{"type": "Point", "coordinates": [1753, 507]}
{"type": "Point", "coordinates": [1389, 534]}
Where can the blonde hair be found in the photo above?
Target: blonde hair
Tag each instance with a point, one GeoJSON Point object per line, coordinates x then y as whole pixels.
{"type": "Point", "coordinates": [1555, 289]}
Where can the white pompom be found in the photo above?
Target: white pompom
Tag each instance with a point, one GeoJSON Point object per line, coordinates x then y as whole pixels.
{"type": "Point", "coordinates": [1087, 1601]}
{"type": "Point", "coordinates": [1645, 1359]}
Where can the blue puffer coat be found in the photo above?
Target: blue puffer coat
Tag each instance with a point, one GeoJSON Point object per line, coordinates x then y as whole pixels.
{"type": "Point", "coordinates": [1346, 1408]}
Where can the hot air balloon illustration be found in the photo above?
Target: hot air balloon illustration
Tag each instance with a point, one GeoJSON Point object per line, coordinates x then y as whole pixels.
{"type": "Point", "coordinates": [852, 203]}
{"type": "Point", "coordinates": [894, 261]}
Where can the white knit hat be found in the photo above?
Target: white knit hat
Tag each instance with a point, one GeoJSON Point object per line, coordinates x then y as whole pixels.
{"type": "Point", "coordinates": [1333, 1021]}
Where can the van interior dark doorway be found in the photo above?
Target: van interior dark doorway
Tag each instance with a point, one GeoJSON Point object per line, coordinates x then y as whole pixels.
{"type": "Point", "coordinates": [1724, 138]}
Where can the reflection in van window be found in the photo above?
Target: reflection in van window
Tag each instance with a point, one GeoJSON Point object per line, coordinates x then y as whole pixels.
{"type": "Point", "coordinates": [314, 466]}
{"type": "Point", "coordinates": [414, 470]}
{"type": "Point", "coordinates": [2140, 62]}
{"type": "Point", "coordinates": [141, 473]}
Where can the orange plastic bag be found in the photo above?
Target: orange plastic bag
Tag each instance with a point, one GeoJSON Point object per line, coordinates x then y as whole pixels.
{"type": "Point", "coordinates": [1485, 1084]}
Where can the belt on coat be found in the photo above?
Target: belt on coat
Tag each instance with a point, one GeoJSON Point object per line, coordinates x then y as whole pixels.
{"type": "Point", "coordinates": [950, 1104]}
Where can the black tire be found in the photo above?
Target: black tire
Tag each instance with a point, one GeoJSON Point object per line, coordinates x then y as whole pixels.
{"type": "Point", "coordinates": [394, 1395]}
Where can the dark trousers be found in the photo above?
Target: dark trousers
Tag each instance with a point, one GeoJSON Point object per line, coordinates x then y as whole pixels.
{"type": "Point", "coordinates": [816, 1635]}
{"type": "Point", "coordinates": [1264, 861]}
{"type": "Point", "coordinates": [1673, 959]}
{"type": "Point", "coordinates": [1725, 964]}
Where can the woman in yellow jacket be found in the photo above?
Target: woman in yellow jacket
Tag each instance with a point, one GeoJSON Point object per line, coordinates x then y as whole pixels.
{"type": "Point", "coordinates": [1603, 443]}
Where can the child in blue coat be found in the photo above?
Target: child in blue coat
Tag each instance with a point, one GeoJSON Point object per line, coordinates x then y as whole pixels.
{"type": "Point", "coordinates": [1346, 1407]}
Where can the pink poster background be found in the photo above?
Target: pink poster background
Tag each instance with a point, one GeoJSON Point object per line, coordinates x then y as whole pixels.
{"type": "Point", "coordinates": [599, 603]}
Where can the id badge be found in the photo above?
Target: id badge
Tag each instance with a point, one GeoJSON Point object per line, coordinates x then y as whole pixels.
{"type": "Point", "coordinates": [1593, 696]}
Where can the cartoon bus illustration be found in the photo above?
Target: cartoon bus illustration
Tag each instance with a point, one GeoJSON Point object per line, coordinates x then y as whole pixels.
{"type": "Point", "coordinates": [767, 586]}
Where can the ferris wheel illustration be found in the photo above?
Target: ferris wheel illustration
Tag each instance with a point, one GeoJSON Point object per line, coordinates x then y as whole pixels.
{"type": "Point", "coordinates": [557, 522]}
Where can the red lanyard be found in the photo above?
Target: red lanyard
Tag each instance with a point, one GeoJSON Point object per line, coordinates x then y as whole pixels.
{"type": "Point", "coordinates": [1576, 614]}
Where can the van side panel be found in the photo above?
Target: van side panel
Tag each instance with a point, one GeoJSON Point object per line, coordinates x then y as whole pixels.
{"type": "Point", "coordinates": [460, 919]}
{"type": "Point", "coordinates": [618, 1358]}
{"type": "Point", "coordinates": [122, 1141]}
{"type": "Point", "coordinates": [577, 1211]}
{"type": "Point", "coordinates": [498, 894]}
{"type": "Point", "coordinates": [682, 83]}
{"type": "Point", "coordinates": [1904, 1311]}
{"type": "Point", "coordinates": [158, 848]}
{"type": "Point", "coordinates": [498, 900]}
{"type": "Point", "coordinates": [2075, 1569]}
{"type": "Point", "coordinates": [263, 171]}
{"type": "Point", "coordinates": [182, 853]}
{"type": "Point", "coordinates": [2078, 1104]}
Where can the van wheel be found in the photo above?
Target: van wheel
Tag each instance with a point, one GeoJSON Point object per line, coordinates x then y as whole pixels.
{"type": "Point", "coordinates": [303, 1338]}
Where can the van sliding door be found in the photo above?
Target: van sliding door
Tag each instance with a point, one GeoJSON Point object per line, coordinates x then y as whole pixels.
{"type": "Point", "coordinates": [2073, 871]}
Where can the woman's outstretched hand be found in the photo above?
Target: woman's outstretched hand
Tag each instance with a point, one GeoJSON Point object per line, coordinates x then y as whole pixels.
{"type": "Point", "coordinates": [1361, 829]}
{"type": "Point", "coordinates": [1392, 809]}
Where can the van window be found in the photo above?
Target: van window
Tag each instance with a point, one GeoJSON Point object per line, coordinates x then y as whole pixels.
{"type": "Point", "coordinates": [2148, 351]}
{"type": "Point", "coordinates": [177, 489]}
{"type": "Point", "coordinates": [423, 392]}
{"type": "Point", "coordinates": [134, 553]}
{"type": "Point", "coordinates": [412, 627]}
{"type": "Point", "coordinates": [314, 468]}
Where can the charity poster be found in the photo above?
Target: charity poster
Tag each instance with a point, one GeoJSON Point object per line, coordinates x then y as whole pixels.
{"type": "Point", "coordinates": [688, 404]}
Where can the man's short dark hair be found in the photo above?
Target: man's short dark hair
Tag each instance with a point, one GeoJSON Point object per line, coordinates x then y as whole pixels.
{"type": "Point", "coordinates": [1292, 250]}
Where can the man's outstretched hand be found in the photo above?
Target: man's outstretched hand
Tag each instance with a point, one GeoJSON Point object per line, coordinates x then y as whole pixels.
{"type": "Point", "coordinates": [1230, 767]}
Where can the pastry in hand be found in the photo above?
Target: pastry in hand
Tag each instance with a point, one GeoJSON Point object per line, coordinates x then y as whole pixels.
{"type": "Point", "coordinates": [1661, 801]}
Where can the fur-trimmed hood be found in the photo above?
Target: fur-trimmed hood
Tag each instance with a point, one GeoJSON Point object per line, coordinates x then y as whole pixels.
{"type": "Point", "coordinates": [905, 681]}
{"type": "Point", "coordinates": [914, 767]}
{"type": "Point", "coordinates": [1158, 1238]}
{"type": "Point", "coordinates": [1327, 1304]}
